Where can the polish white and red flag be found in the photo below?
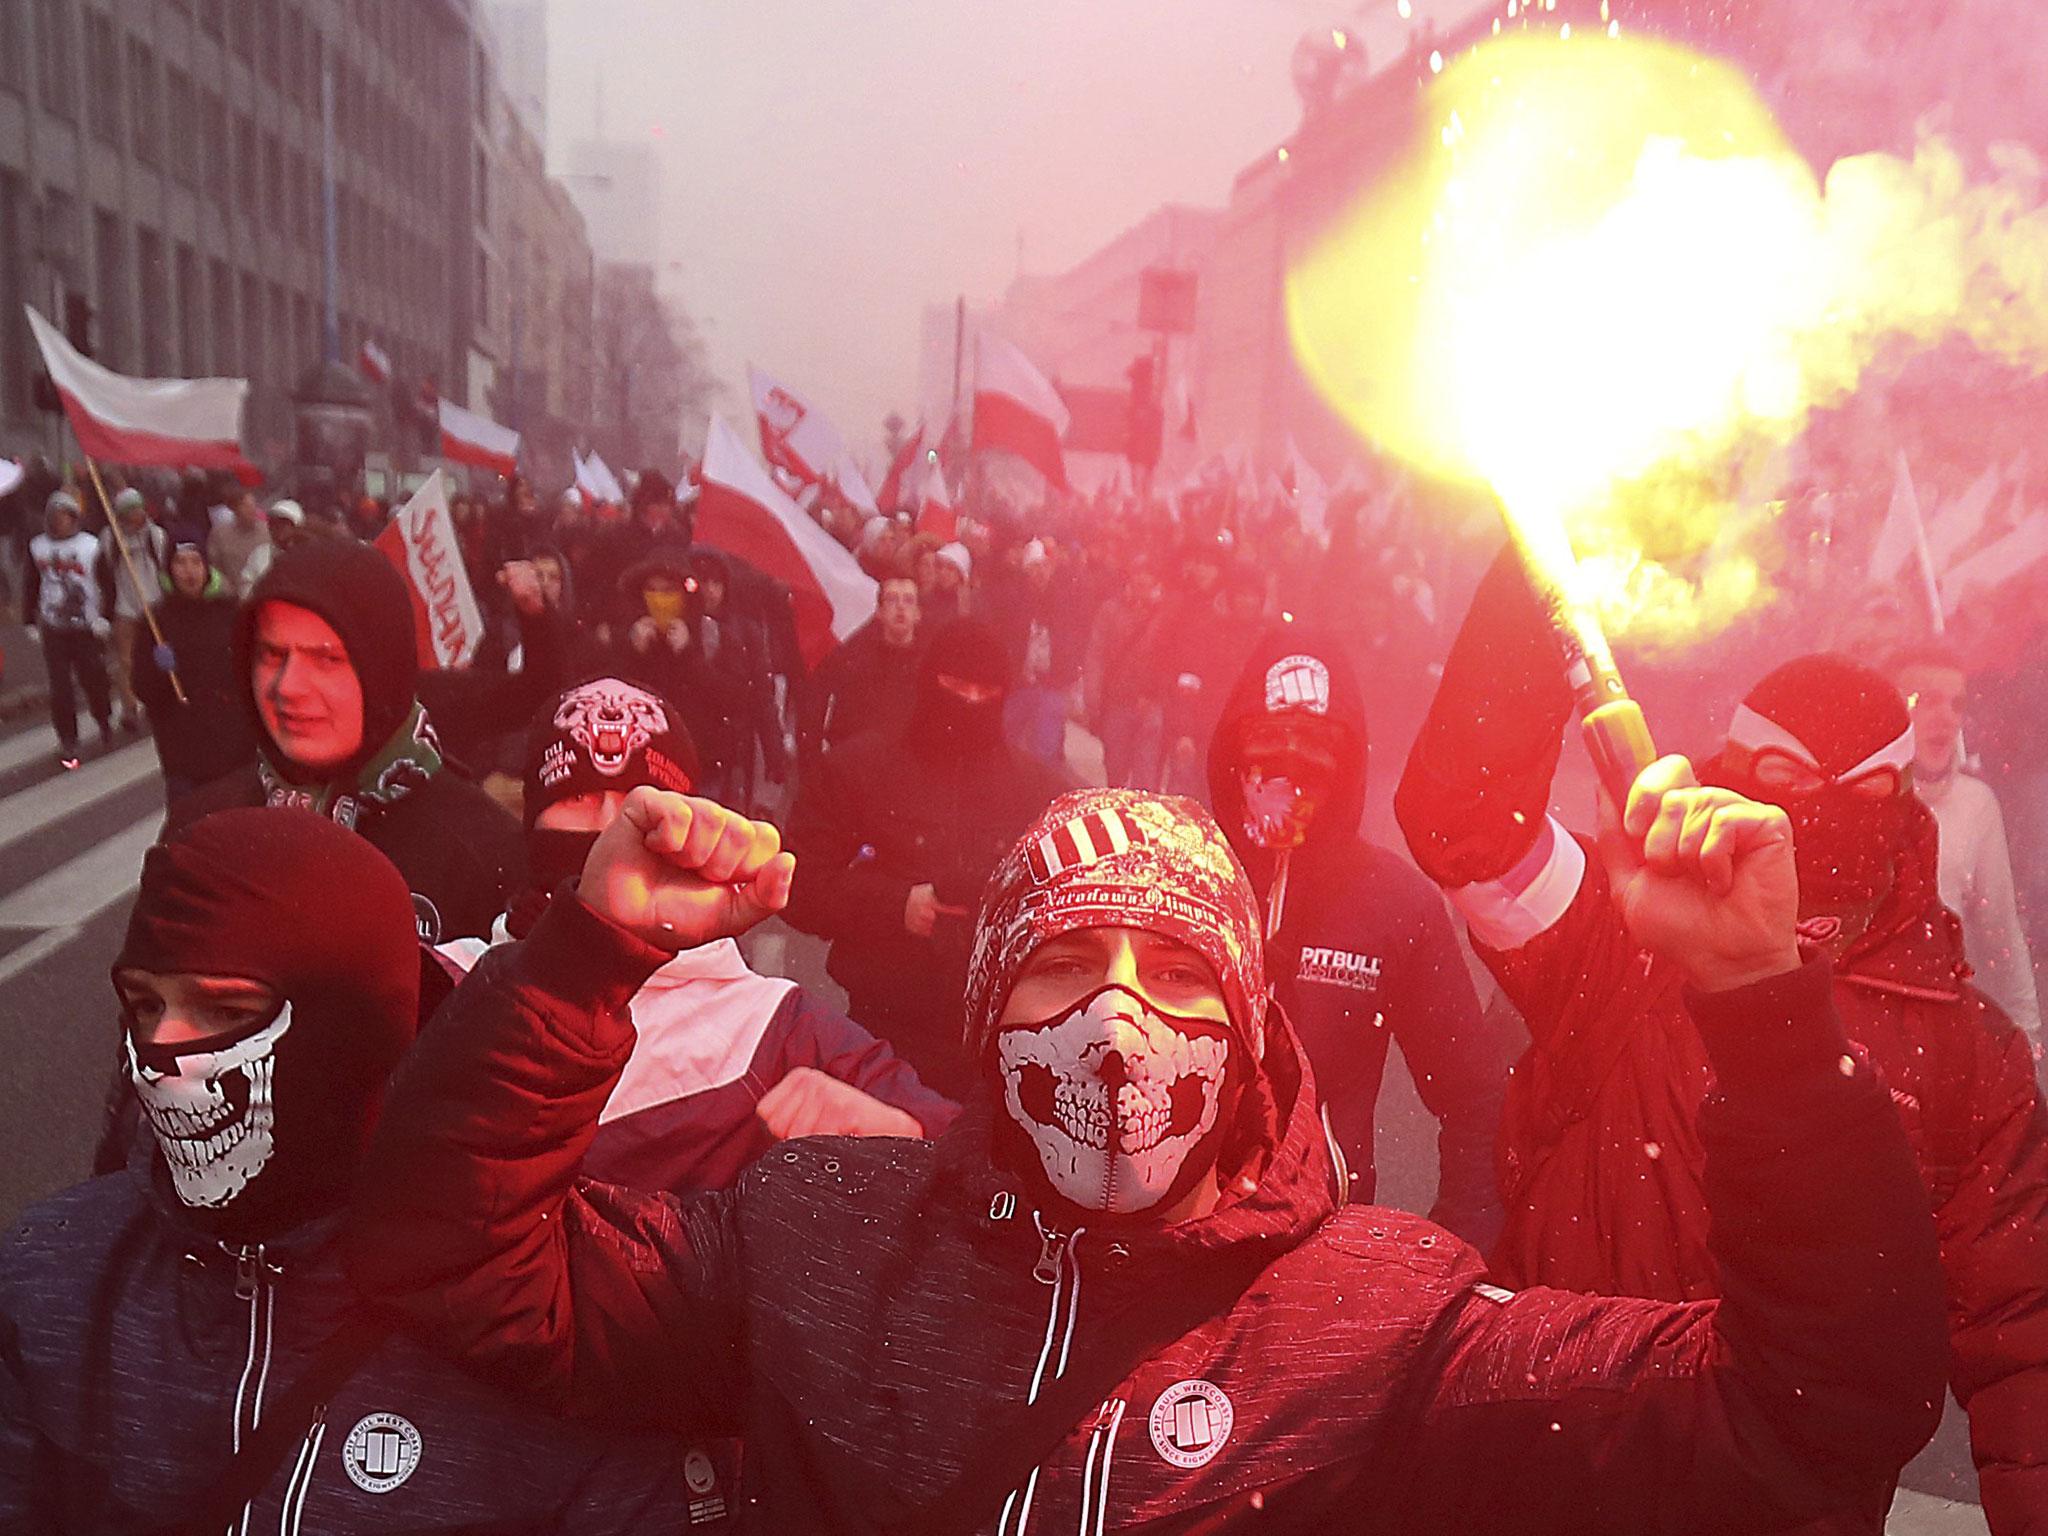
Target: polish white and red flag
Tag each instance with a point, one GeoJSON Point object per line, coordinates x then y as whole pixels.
{"type": "Point", "coordinates": [1017, 410]}
{"type": "Point", "coordinates": [175, 423]}
{"type": "Point", "coordinates": [420, 541]}
{"type": "Point", "coordinates": [374, 362]}
{"type": "Point", "coordinates": [598, 485]}
{"type": "Point", "coordinates": [936, 514]}
{"type": "Point", "coordinates": [742, 511]}
{"type": "Point", "coordinates": [897, 483]}
{"type": "Point", "coordinates": [800, 440]}
{"type": "Point", "coordinates": [477, 441]}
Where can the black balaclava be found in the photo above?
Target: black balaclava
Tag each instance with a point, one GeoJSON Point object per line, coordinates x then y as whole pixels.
{"type": "Point", "coordinates": [1845, 724]}
{"type": "Point", "coordinates": [360, 593]}
{"type": "Point", "coordinates": [943, 724]}
{"type": "Point", "coordinates": [605, 733]}
{"type": "Point", "coordinates": [260, 1130]}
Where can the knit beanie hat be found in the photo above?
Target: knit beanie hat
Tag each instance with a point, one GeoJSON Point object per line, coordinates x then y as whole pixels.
{"type": "Point", "coordinates": [603, 734]}
{"type": "Point", "coordinates": [1121, 858]}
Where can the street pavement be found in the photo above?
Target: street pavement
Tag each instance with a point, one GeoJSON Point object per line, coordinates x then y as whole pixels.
{"type": "Point", "coordinates": [71, 846]}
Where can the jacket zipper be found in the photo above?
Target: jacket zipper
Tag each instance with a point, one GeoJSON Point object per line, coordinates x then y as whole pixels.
{"type": "Point", "coordinates": [1057, 1260]}
{"type": "Point", "coordinates": [253, 1285]}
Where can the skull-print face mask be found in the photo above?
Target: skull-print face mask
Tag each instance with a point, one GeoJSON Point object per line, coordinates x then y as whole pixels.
{"type": "Point", "coordinates": [213, 1107]}
{"type": "Point", "coordinates": [1123, 1104]}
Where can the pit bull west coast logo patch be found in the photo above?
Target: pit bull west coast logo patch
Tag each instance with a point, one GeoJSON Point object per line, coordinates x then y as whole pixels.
{"type": "Point", "coordinates": [1298, 682]}
{"type": "Point", "coordinates": [1190, 1422]}
{"type": "Point", "coordinates": [381, 1452]}
{"type": "Point", "coordinates": [1081, 842]}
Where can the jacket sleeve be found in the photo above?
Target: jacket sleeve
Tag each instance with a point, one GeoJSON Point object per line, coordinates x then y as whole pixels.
{"type": "Point", "coordinates": [1801, 1392]}
{"type": "Point", "coordinates": [472, 1228]}
{"type": "Point", "coordinates": [823, 1038]}
{"type": "Point", "coordinates": [1459, 1068]}
{"type": "Point", "coordinates": [1994, 1244]}
{"type": "Point", "coordinates": [838, 893]}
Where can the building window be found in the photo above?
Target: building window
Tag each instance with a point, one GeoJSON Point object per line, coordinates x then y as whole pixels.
{"type": "Point", "coordinates": [269, 37]}
{"type": "Point", "coordinates": [274, 209]}
{"type": "Point", "coordinates": [255, 356]}
{"type": "Point", "coordinates": [103, 68]}
{"type": "Point", "coordinates": [294, 45]}
{"type": "Point", "coordinates": [154, 306]}
{"type": "Point", "coordinates": [227, 362]}
{"type": "Point", "coordinates": [143, 114]}
{"type": "Point", "coordinates": [111, 272]}
{"type": "Point", "coordinates": [288, 346]}
{"type": "Point", "coordinates": [247, 174]}
{"type": "Point", "coordinates": [190, 304]}
{"type": "Point", "coordinates": [483, 288]}
{"type": "Point", "coordinates": [213, 133]}
{"type": "Point", "coordinates": [209, 15]}
{"type": "Point", "coordinates": [483, 187]}
{"type": "Point", "coordinates": [181, 131]}
{"type": "Point", "coordinates": [12, 75]}
{"type": "Point", "coordinates": [58, 86]}
{"type": "Point", "coordinates": [14, 340]}
{"type": "Point", "coordinates": [241, 26]}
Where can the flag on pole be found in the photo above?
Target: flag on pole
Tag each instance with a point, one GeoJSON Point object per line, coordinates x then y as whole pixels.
{"type": "Point", "coordinates": [1016, 410]}
{"type": "Point", "coordinates": [799, 439]}
{"type": "Point", "coordinates": [936, 514]}
{"type": "Point", "coordinates": [374, 362]}
{"type": "Point", "coordinates": [176, 423]}
{"type": "Point", "coordinates": [478, 441]}
{"type": "Point", "coordinates": [420, 541]}
{"type": "Point", "coordinates": [595, 480]}
{"type": "Point", "coordinates": [1310, 494]}
{"type": "Point", "coordinates": [1954, 525]}
{"type": "Point", "coordinates": [743, 512]}
{"type": "Point", "coordinates": [895, 484]}
{"type": "Point", "coordinates": [1903, 538]}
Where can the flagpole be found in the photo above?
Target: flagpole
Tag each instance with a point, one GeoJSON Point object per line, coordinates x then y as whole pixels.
{"type": "Point", "coordinates": [134, 576]}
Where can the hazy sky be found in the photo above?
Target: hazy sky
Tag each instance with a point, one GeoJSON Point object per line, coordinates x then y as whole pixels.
{"type": "Point", "coordinates": [833, 165]}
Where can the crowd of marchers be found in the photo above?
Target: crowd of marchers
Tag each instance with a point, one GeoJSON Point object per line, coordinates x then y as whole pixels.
{"type": "Point", "coordinates": [459, 1171]}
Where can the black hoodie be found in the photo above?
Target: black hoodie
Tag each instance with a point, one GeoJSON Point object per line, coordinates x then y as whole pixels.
{"type": "Point", "coordinates": [459, 850]}
{"type": "Point", "coordinates": [1365, 949]}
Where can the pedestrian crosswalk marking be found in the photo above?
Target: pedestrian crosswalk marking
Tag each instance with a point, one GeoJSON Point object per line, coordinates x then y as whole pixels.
{"type": "Point", "coordinates": [85, 886]}
{"type": "Point", "coordinates": [55, 798]}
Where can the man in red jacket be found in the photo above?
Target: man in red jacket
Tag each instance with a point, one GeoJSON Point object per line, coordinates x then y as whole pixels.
{"type": "Point", "coordinates": [1119, 1291]}
{"type": "Point", "coordinates": [1604, 1170]}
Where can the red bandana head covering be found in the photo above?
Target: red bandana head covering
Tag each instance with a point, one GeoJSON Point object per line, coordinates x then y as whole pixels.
{"type": "Point", "coordinates": [1120, 858]}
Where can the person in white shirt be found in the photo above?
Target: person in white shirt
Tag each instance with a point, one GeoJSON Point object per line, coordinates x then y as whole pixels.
{"type": "Point", "coordinates": [131, 583]}
{"type": "Point", "coordinates": [64, 596]}
{"type": "Point", "coordinates": [1976, 864]}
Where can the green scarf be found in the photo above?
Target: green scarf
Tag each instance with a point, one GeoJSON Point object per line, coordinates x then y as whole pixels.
{"type": "Point", "coordinates": [406, 761]}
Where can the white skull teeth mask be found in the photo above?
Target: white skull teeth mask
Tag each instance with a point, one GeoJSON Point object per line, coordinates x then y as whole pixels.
{"type": "Point", "coordinates": [1114, 1097]}
{"type": "Point", "coordinates": [215, 1115]}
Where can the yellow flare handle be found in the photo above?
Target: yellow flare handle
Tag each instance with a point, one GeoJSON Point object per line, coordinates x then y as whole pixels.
{"type": "Point", "coordinates": [1618, 740]}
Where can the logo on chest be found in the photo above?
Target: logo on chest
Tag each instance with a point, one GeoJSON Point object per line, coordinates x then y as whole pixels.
{"type": "Point", "coordinates": [1339, 968]}
{"type": "Point", "coordinates": [1190, 1423]}
{"type": "Point", "coordinates": [381, 1452]}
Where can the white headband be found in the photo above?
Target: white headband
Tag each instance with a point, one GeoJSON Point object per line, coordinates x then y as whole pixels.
{"type": "Point", "coordinates": [1754, 731]}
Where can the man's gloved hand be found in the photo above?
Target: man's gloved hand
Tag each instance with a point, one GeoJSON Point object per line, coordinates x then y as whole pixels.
{"type": "Point", "coordinates": [808, 1102]}
{"type": "Point", "coordinates": [678, 872]}
{"type": "Point", "coordinates": [165, 658]}
{"type": "Point", "coordinates": [1705, 878]}
{"type": "Point", "coordinates": [101, 629]}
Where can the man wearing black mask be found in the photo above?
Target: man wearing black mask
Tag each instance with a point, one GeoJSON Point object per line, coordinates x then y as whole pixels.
{"type": "Point", "coordinates": [161, 1322]}
{"type": "Point", "coordinates": [898, 834]}
{"type": "Point", "coordinates": [727, 1062]}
